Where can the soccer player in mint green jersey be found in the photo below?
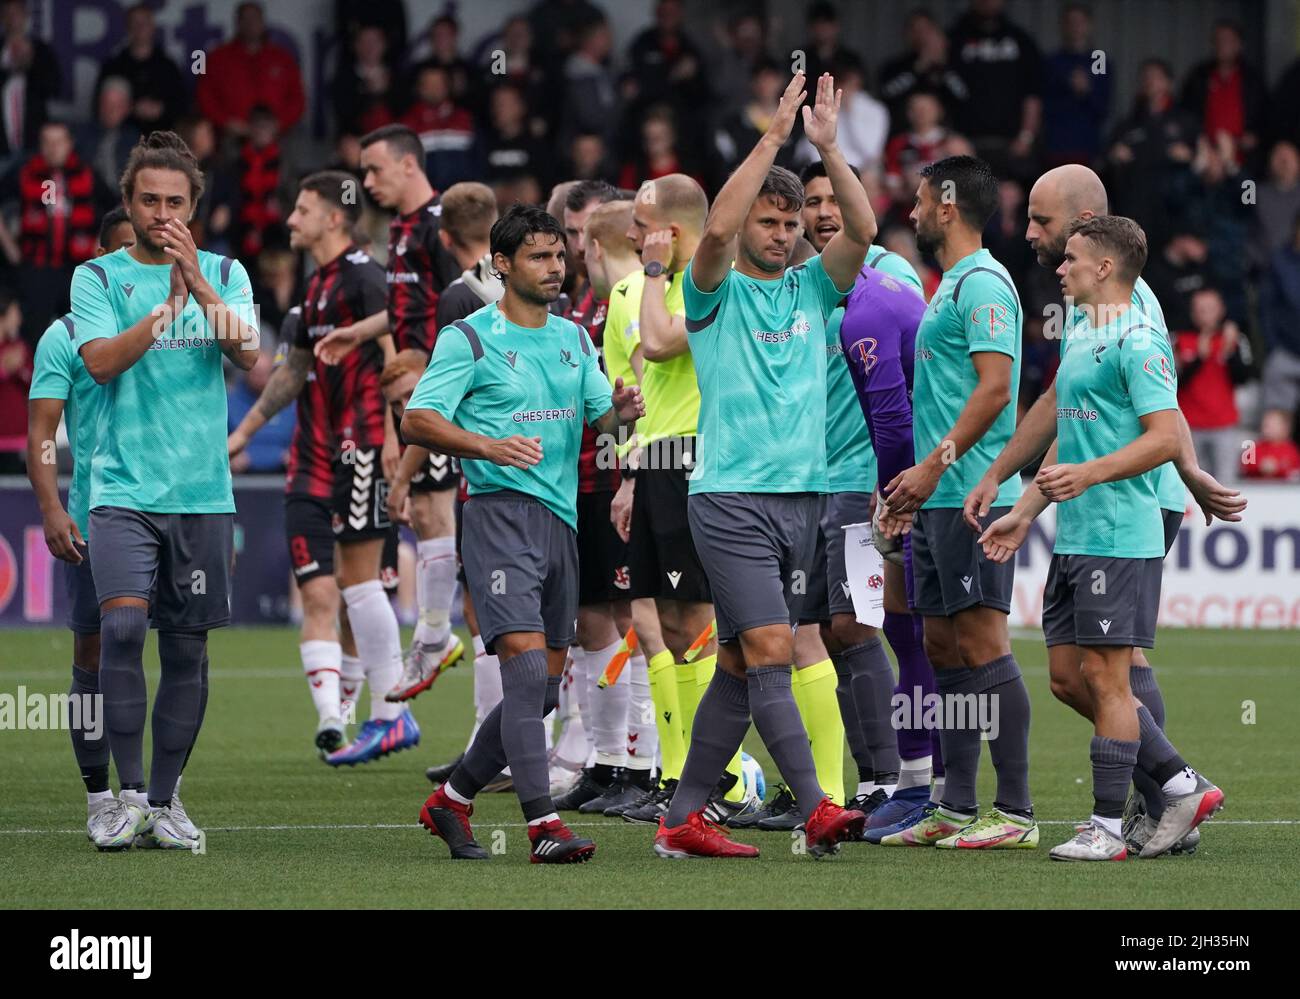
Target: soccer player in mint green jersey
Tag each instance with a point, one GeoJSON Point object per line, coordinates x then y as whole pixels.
{"type": "Point", "coordinates": [153, 323]}
{"type": "Point", "coordinates": [757, 336]}
{"type": "Point", "coordinates": [967, 365]}
{"type": "Point", "coordinates": [1060, 197]}
{"type": "Point", "coordinates": [1117, 419]}
{"type": "Point", "coordinates": [508, 390]}
{"type": "Point", "coordinates": [63, 389]}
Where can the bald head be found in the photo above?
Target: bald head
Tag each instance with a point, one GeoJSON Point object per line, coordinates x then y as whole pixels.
{"type": "Point", "coordinates": [1059, 197]}
{"type": "Point", "coordinates": [675, 202]}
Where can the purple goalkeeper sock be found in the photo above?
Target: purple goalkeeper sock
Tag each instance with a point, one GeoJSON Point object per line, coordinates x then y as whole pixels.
{"type": "Point", "coordinates": [915, 680]}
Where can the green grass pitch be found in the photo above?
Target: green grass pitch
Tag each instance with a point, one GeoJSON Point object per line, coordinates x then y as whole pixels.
{"type": "Point", "coordinates": [283, 830]}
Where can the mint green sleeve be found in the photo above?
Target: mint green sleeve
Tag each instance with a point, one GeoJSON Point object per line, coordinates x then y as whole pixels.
{"type": "Point", "coordinates": [597, 399]}
{"type": "Point", "coordinates": [52, 372]}
{"type": "Point", "coordinates": [702, 306]}
{"type": "Point", "coordinates": [237, 293]}
{"type": "Point", "coordinates": [449, 376]}
{"type": "Point", "coordinates": [990, 314]}
{"type": "Point", "coordinates": [1149, 372]}
{"type": "Point", "coordinates": [92, 312]}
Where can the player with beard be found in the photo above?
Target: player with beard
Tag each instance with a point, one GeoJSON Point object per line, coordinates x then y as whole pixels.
{"type": "Point", "coordinates": [511, 366]}
{"type": "Point", "coordinates": [967, 365]}
{"type": "Point", "coordinates": [419, 268]}
{"type": "Point", "coordinates": [336, 515]}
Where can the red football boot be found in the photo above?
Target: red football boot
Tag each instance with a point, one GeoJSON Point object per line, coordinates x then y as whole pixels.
{"type": "Point", "coordinates": [698, 837]}
{"type": "Point", "coordinates": [449, 820]}
{"type": "Point", "coordinates": [829, 825]}
{"type": "Point", "coordinates": [554, 843]}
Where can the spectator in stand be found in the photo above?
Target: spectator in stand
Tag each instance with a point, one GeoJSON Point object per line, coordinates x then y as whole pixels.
{"type": "Point", "coordinates": [666, 67]}
{"type": "Point", "coordinates": [738, 132]}
{"type": "Point", "coordinates": [863, 123]}
{"type": "Point", "coordinates": [1178, 273]}
{"type": "Point", "coordinates": [214, 218]}
{"type": "Point", "coordinates": [350, 16]}
{"type": "Point", "coordinates": [108, 140]}
{"type": "Point", "coordinates": [1277, 204]}
{"type": "Point", "coordinates": [510, 150]}
{"type": "Point", "coordinates": [443, 50]}
{"type": "Point", "coordinates": [158, 90]}
{"type": "Point", "coordinates": [1213, 358]}
{"type": "Point", "coordinates": [1210, 198]}
{"type": "Point", "coordinates": [277, 285]}
{"type": "Point", "coordinates": [268, 450]}
{"type": "Point", "coordinates": [446, 130]}
{"type": "Point", "coordinates": [742, 45]}
{"type": "Point", "coordinates": [923, 65]}
{"type": "Point", "coordinates": [1004, 236]}
{"type": "Point", "coordinates": [364, 90]}
{"type": "Point", "coordinates": [265, 181]}
{"type": "Point", "coordinates": [1149, 150]}
{"type": "Point", "coordinates": [512, 51]}
{"type": "Point", "coordinates": [588, 159]}
{"type": "Point", "coordinates": [1275, 455]}
{"type": "Point", "coordinates": [1284, 106]}
{"type": "Point", "coordinates": [1076, 96]}
{"type": "Point", "coordinates": [1280, 315]}
{"type": "Point", "coordinates": [1226, 94]}
{"type": "Point", "coordinates": [911, 151]}
{"type": "Point", "coordinates": [823, 51]}
{"type": "Point", "coordinates": [560, 23]}
{"type": "Point", "coordinates": [15, 382]}
{"type": "Point", "coordinates": [60, 201]}
{"type": "Point", "coordinates": [591, 96]}
{"type": "Point", "coordinates": [1003, 71]}
{"type": "Point", "coordinates": [30, 78]}
{"type": "Point", "coordinates": [248, 71]}
{"type": "Point", "coordinates": [658, 155]}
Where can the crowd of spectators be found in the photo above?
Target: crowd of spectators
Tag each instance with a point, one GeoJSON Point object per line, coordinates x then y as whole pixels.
{"type": "Point", "coordinates": [1209, 164]}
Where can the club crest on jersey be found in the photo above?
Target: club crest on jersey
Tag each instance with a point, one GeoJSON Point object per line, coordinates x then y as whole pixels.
{"type": "Point", "coordinates": [400, 248]}
{"type": "Point", "coordinates": [864, 352]}
{"type": "Point", "coordinates": [1097, 352]}
{"type": "Point", "coordinates": [993, 316]}
{"type": "Point", "coordinates": [567, 358]}
{"type": "Point", "coordinates": [1158, 366]}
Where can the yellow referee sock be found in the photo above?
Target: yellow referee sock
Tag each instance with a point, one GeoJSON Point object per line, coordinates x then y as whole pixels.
{"type": "Point", "coordinates": [663, 692]}
{"type": "Point", "coordinates": [688, 698]}
{"type": "Point", "coordinates": [814, 693]}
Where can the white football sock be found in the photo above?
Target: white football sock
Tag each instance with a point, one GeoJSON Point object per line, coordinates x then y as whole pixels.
{"type": "Point", "coordinates": [609, 708]}
{"type": "Point", "coordinates": [379, 643]}
{"type": "Point", "coordinates": [552, 817]}
{"type": "Point", "coordinates": [642, 735]}
{"type": "Point", "coordinates": [455, 795]}
{"type": "Point", "coordinates": [1112, 826]}
{"type": "Point", "coordinates": [1183, 782]}
{"type": "Point", "coordinates": [914, 773]}
{"type": "Point", "coordinates": [352, 681]}
{"type": "Point", "coordinates": [487, 690]}
{"type": "Point", "coordinates": [583, 681]}
{"type": "Point", "coordinates": [936, 790]}
{"type": "Point", "coordinates": [321, 661]}
{"type": "Point", "coordinates": [479, 648]}
{"type": "Point", "coordinates": [435, 588]}
{"type": "Point", "coordinates": [572, 745]}
{"type": "Point", "coordinates": [94, 797]}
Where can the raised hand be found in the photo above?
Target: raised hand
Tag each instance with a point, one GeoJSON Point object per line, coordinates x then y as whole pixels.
{"type": "Point", "coordinates": [820, 120]}
{"type": "Point", "coordinates": [782, 123]}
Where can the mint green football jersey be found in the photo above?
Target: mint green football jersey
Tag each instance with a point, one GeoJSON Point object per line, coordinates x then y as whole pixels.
{"type": "Point", "coordinates": [896, 266]}
{"type": "Point", "coordinates": [492, 377]}
{"type": "Point", "coordinates": [975, 308]}
{"type": "Point", "coordinates": [59, 374]}
{"type": "Point", "coordinates": [1108, 379]}
{"type": "Point", "coordinates": [1169, 484]}
{"type": "Point", "coordinates": [759, 348]}
{"type": "Point", "coordinates": [161, 442]}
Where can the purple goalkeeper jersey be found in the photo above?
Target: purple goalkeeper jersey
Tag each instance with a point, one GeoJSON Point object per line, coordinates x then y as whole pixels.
{"type": "Point", "coordinates": [878, 335]}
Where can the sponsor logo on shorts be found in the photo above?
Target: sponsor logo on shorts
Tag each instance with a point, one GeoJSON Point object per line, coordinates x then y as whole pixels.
{"type": "Point", "coordinates": [622, 578]}
{"type": "Point", "coordinates": [1070, 413]}
{"type": "Point", "coordinates": [966, 581]}
{"type": "Point", "coordinates": [848, 590]}
{"type": "Point", "coordinates": [1105, 626]}
{"type": "Point", "coordinates": [543, 415]}
{"type": "Point", "coordinates": [674, 578]}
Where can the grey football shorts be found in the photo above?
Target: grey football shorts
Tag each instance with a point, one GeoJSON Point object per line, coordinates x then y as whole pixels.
{"type": "Point", "coordinates": [1097, 600]}
{"type": "Point", "coordinates": [950, 570]}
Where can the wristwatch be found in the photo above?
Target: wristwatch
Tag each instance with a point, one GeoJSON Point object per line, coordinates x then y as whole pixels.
{"type": "Point", "coordinates": [654, 269]}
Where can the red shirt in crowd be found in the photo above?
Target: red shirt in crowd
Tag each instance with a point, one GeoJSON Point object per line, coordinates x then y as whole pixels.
{"type": "Point", "coordinates": [1205, 390]}
{"type": "Point", "coordinates": [1274, 460]}
{"type": "Point", "coordinates": [1225, 109]}
{"type": "Point", "coordinates": [15, 381]}
{"type": "Point", "coordinates": [238, 79]}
